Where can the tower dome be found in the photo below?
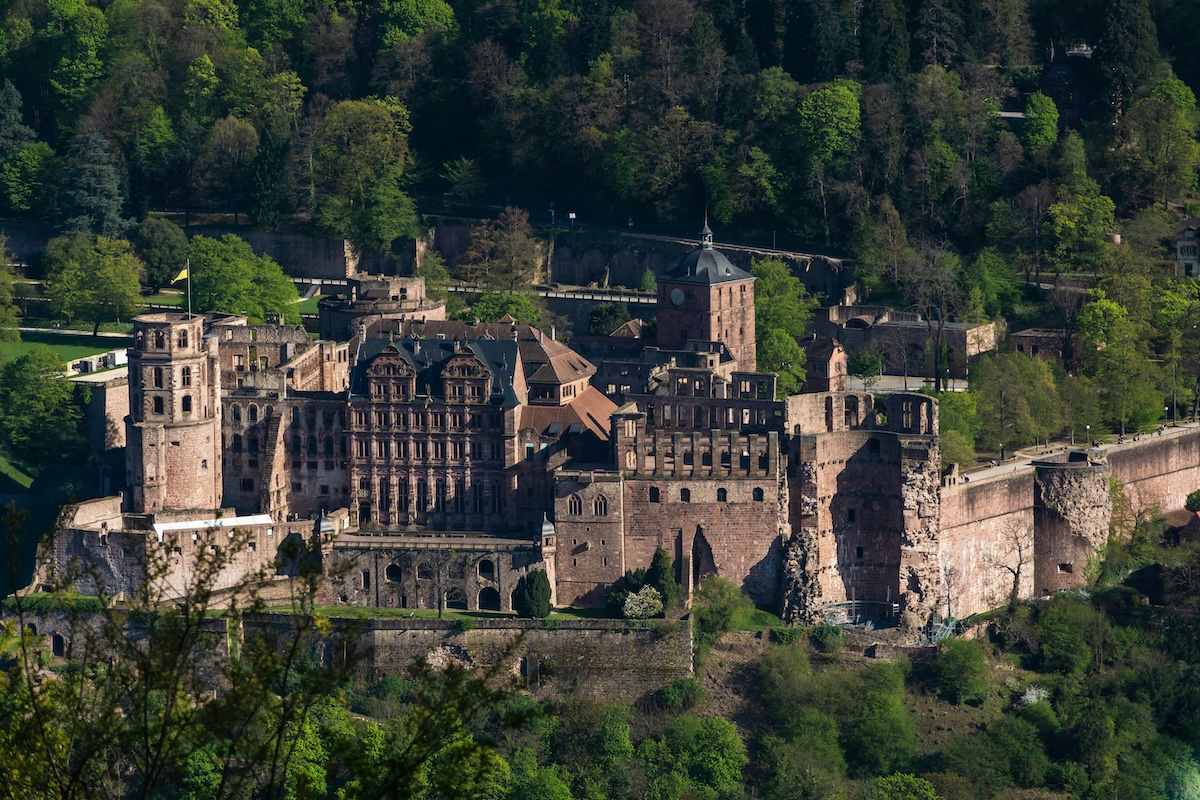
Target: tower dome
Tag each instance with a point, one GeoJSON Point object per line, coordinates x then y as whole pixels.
{"type": "Point", "coordinates": [706, 265]}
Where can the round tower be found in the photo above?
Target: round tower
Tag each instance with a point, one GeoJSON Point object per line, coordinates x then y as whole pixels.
{"type": "Point", "coordinates": [173, 429]}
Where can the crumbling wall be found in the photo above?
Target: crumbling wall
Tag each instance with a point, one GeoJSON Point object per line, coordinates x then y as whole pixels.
{"type": "Point", "coordinates": [1072, 511]}
{"type": "Point", "coordinates": [922, 583]}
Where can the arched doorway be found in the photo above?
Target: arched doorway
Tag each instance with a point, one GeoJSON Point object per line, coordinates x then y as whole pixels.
{"type": "Point", "coordinates": [703, 563]}
{"type": "Point", "coordinates": [489, 599]}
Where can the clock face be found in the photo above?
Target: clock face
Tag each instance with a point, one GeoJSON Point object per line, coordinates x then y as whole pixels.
{"type": "Point", "coordinates": [677, 296]}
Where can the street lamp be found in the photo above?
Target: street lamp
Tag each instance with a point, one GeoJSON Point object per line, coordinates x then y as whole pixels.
{"type": "Point", "coordinates": [571, 216]}
{"type": "Point", "coordinates": [1088, 428]}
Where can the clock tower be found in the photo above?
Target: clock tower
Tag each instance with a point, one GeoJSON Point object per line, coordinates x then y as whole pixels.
{"type": "Point", "coordinates": [708, 299]}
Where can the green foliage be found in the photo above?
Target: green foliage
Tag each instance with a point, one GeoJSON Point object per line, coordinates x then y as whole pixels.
{"type": "Point", "coordinates": [227, 276]}
{"type": "Point", "coordinates": [865, 365]}
{"type": "Point", "coordinates": [98, 282]}
{"type": "Point", "coordinates": [503, 256]}
{"type": "Point", "coordinates": [902, 786]}
{"type": "Point", "coordinates": [643, 604]}
{"type": "Point", "coordinates": [779, 352]}
{"type": "Point", "coordinates": [463, 178]}
{"type": "Point", "coordinates": [531, 598]}
{"type": "Point", "coordinates": [163, 248]}
{"type": "Point", "coordinates": [1040, 131]}
{"type": "Point", "coordinates": [682, 694]}
{"type": "Point", "coordinates": [714, 606]}
{"type": "Point", "coordinates": [91, 200]}
{"type": "Point", "coordinates": [607, 317]}
{"type": "Point", "coordinates": [1068, 630]}
{"type": "Point", "coordinates": [358, 159]}
{"type": "Point", "coordinates": [648, 282]}
{"type": "Point", "coordinates": [706, 754]}
{"type": "Point", "coordinates": [494, 307]}
{"type": "Point", "coordinates": [38, 415]}
{"type": "Point", "coordinates": [962, 671]}
{"type": "Point", "coordinates": [8, 309]}
{"type": "Point", "coordinates": [661, 576]}
{"type": "Point", "coordinates": [629, 583]}
{"type": "Point", "coordinates": [1193, 501]}
{"type": "Point", "coordinates": [829, 639]}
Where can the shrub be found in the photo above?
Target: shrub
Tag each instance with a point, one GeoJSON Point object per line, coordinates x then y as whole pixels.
{"type": "Point", "coordinates": [717, 601]}
{"type": "Point", "coordinates": [903, 786]}
{"type": "Point", "coordinates": [682, 694]}
{"type": "Point", "coordinates": [632, 581]}
{"type": "Point", "coordinates": [661, 576]}
{"type": "Point", "coordinates": [643, 604]}
{"type": "Point", "coordinates": [531, 598]}
{"type": "Point", "coordinates": [962, 671]}
{"type": "Point", "coordinates": [1193, 501]}
{"type": "Point", "coordinates": [788, 635]}
{"type": "Point", "coordinates": [828, 639]}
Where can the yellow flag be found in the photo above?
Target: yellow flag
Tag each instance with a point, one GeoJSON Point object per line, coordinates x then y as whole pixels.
{"type": "Point", "coordinates": [183, 273]}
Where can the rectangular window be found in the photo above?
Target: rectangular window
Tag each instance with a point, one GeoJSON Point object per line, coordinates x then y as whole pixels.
{"type": "Point", "coordinates": [247, 484]}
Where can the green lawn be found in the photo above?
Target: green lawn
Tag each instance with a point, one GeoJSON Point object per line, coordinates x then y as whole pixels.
{"type": "Point", "coordinates": [12, 479]}
{"type": "Point", "coordinates": [754, 619]}
{"type": "Point", "coordinates": [68, 347]}
{"type": "Point", "coordinates": [166, 299]}
{"type": "Point", "coordinates": [308, 306]}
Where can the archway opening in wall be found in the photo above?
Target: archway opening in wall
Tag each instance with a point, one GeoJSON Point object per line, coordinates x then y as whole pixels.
{"type": "Point", "coordinates": [456, 598]}
{"type": "Point", "coordinates": [703, 563]}
{"type": "Point", "coordinates": [489, 599]}
{"type": "Point", "coordinates": [364, 514]}
{"type": "Point", "coordinates": [487, 571]}
{"type": "Point", "coordinates": [393, 573]}
{"type": "Point", "coordinates": [58, 645]}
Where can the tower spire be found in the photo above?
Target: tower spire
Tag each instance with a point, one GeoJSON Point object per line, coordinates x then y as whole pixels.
{"type": "Point", "coordinates": [706, 234]}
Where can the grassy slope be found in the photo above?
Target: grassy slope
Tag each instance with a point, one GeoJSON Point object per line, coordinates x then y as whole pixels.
{"type": "Point", "coordinates": [68, 347]}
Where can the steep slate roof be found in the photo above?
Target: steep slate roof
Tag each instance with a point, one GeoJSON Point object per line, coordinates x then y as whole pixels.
{"type": "Point", "coordinates": [427, 357]}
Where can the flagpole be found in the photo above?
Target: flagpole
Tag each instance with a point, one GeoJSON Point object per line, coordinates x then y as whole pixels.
{"type": "Point", "coordinates": [188, 265]}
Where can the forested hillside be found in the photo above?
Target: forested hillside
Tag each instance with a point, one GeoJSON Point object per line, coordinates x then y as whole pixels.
{"type": "Point", "coordinates": [843, 125]}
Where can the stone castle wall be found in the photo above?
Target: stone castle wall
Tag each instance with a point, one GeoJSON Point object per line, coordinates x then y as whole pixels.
{"type": "Point", "coordinates": [586, 257]}
{"type": "Point", "coordinates": [1158, 472]}
{"type": "Point", "coordinates": [613, 661]}
{"type": "Point", "coordinates": [983, 526]}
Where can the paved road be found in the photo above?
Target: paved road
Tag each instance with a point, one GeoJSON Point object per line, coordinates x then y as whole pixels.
{"type": "Point", "coordinates": [898, 383]}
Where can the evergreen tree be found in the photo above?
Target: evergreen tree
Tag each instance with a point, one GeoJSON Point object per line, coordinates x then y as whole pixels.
{"type": "Point", "coordinates": [162, 246]}
{"type": "Point", "coordinates": [91, 200]}
{"type": "Point", "coordinates": [531, 598]}
{"type": "Point", "coordinates": [8, 308]}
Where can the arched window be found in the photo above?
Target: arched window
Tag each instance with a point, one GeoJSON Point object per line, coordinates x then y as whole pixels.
{"type": "Point", "coordinates": [456, 598]}
{"type": "Point", "coordinates": [600, 506]}
{"type": "Point", "coordinates": [158, 405]}
{"type": "Point", "coordinates": [758, 495]}
{"type": "Point", "coordinates": [392, 573]}
{"type": "Point", "coordinates": [574, 505]}
{"type": "Point", "coordinates": [722, 496]}
{"type": "Point", "coordinates": [688, 458]}
{"type": "Point", "coordinates": [187, 404]}
{"type": "Point", "coordinates": [252, 412]}
{"type": "Point", "coordinates": [236, 410]}
{"type": "Point", "coordinates": [185, 376]}
{"type": "Point", "coordinates": [685, 495]}
{"type": "Point", "coordinates": [296, 444]}
{"type": "Point", "coordinates": [160, 340]}
{"type": "Point", "coordinates": [487, 569]}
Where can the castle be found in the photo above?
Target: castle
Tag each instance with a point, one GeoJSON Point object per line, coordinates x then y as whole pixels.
{"type": "Point", "coordinates": [433, 463]}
